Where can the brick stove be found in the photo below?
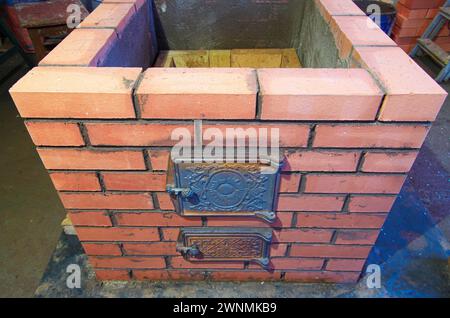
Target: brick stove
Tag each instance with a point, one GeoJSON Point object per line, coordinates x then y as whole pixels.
{"type": "Point", "coordinates": [350, 124]}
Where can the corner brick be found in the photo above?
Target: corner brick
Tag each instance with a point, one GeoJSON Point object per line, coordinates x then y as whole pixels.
{"type": "Point", "coordinates": [339, 251]}
{"type": "Point", "coordinates": [338, 8]}
{"type": "Point", "coordinates": [74, 181]}
{"type": "Point", "coordinates": [102, 249]}
{"type": "Point", "coordinates": [340, 220]}
{"type": "Point", "coordinates": [81, 48]}
{"type": "Point", "coordinates": [321, 161]}
{"type": "Point", "coordinates": [370, 136]}
{"type": "Point", "coordinates": [328, 183]}
{"type": "Point", "coordinates": [127, 262]}
{"type": "Point", "coordinates": [412, 94]}
{"type": "Point", "coordinates": [54, 133]}
{"type": "Point", "coordinates": [346, 265]}
{"type": "Point", "coordinates": [90, 218]}
{"type": "Point", "coordinates": [318, 94]}
{"type": "Point", "coordinates": [354, 31]}
{"type": "Point", "coordinates": [122, 201]}
{"type": "Point", "coordinates": [134, 181]}
{"type": "Point", "coordinates": [74, 92]}
{"type": "Point", "coordinates": [155, 219]}
{"type": "Point", "coordinates": [113, 234]}
{"type": "Point", "coordinates": [83, 159]}
{"type": "Point", "coordinates": [308, 202]}
{"type": "Point", "coordinates": [371, 203]}
{"type": "Point", "coordinates": [156, 248]}
{"type": "Point", "coordinates": [174, 93]}
{"type": "Point", "coordinates": [389, 162]}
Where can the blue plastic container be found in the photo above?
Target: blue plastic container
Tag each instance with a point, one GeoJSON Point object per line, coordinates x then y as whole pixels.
{"type": "Point", "coordinates": [13, 2]}
{"type": "Point", "coordinates": [388, 13]}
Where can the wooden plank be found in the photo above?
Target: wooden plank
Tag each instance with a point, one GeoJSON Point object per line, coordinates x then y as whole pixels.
{"type": "Point", "coordinates": [256, 58]}
{"type": "Point", "coordinates": [220, 58]}
{"type": "Point", "coordinates": [290, 59]}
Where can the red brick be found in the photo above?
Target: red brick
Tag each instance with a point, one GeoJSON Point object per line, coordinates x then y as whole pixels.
{"type": "Point", "coordinates": [113, 234]}
{"type": "Point", "coordinates": [159, 159]}
{"type": "Point", "coordinates": [155, 219]}
{"type": "Point", "coordinates": [243, 276]}
{"type": "Point", "coordinates": [157, 248]}
{"type": "Point", "coordinates": [408, 13]}
{"type": "Point", "coordinates": [173, 93]}
{"type": "Point", "coordinates": [109, 16]}
{"type": "Point", "coordinates": [283, 219]}
{"type": "Point", "coordinates": [81, 47]}
{"type": "Point", "coordinates": [318, 94]}
{"type": "Point", "coordinates": [278, 249]}
{"type": "Point", "coordinates": [73, 92]}
{"type": "Point", "coordinates": [303, 236]}
{"type": "Point", "coordinates": [156, 134]}
{"type": "Point", "coordinates": [421, 4]}
{"type": "Point", "coordinates": [182, 275]}
{"type": "Point", "coordinates": [340, 220]}
{"type": "Point", "coordinates": [308, 202]}
{"type": "Point", "coordinates": [54, 133]}
{"type": "Point", "coordinates": [82, 159]}
{"type": "Point", "coordinates": [338, 251]}
{"type": "Point", "coordinates": [333, 8]}
{"type": "Point", "coordinates": [388, 162]}
{"type": "Point", "coordinates": [124, 201]}
{"type": "Point", "coordinates": [135, 181]}
{"type": "Point", "coordinates": [90, 218]}
{"type": "Point", "coordinates": [165, 202]}
{"type": "Point", "coordinates": [290, 182]}
{"type": "Point", "coordinates": [102, 249]}
{"type": "Point", "coordinates": [321, 161]}
{"type": "Point", "coordinates": [322, 277]}
{"type": "Point", "coordinates": [127, 262]}
{"type": "Point", "coordinates": [412, 94]}
{"type": "Point", "coordinates": [296, 264]}
{"type": "Point", "coordinates": [371, 136]}
{"type": "Point", "coordinates": [365, 237]}
{"type": "Point", "coordinates": [170, 234]}
{"type": "Point", "coordinates": [346, 265]}
{"type": "Point", "coordinates": [371, 203]}
{"type": "Point", "coordinates": [74, 181]}
{"type": "Point", "coordinates": [354, 184]}
{"type": "Point", "coordinates": [180, 262]}
{"type": "Point", "coordinates": [357, 31]}
{"type": "Point", "coordinates": [106, 274]}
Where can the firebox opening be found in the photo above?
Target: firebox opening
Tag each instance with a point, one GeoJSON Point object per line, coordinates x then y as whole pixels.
{"type": "Point", "coordinates": [236, 33]}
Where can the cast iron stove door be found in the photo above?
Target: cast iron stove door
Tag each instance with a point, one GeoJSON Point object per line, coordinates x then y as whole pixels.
{"type": "Point", "coordinates": [224, 189]}
{"type": "Point", "coordinates": [225, 244]}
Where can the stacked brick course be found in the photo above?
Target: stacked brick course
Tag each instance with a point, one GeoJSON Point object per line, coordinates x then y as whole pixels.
{"type": "Point", "coordinates": [413, 17]}
{"type": "Point", "coordinates": [349, 137]}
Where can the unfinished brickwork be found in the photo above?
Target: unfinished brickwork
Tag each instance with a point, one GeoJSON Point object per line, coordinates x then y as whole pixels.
{"type": "Point", "coordinates": [349, 135]}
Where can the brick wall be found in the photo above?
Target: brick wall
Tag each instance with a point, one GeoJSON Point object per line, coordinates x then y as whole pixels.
{"type": "Point", "coordinates": [349, 137]}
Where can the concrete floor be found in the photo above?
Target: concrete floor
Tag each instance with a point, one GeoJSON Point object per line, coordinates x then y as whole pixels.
{"type": "Point", "coordinates": [412, 250]}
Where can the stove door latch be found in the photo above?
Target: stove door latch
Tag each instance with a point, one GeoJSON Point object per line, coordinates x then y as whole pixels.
{"type": "Point", "coordinates": [189, 251]}
{"type": "Point", "coordinates": [184, 193]}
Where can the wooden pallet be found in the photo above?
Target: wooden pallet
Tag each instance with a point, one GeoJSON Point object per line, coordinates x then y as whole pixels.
{"type": "Point", "coordinates": [253, 58]}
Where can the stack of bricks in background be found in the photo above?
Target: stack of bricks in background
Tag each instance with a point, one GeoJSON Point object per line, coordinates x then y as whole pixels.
{"type": "Point", "coordinates": [413, 17]}
{"type": "Point", "coordinates": [350, 137]}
